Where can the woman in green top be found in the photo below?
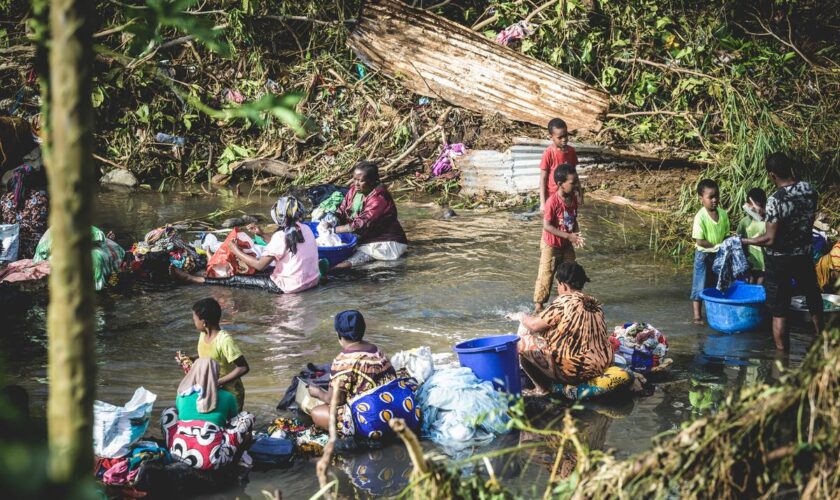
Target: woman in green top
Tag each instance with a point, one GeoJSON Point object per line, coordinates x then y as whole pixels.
{"type": "Point", "coordinates": [753, 225]}
{"type": "Point", "coordinates": [199, 397]}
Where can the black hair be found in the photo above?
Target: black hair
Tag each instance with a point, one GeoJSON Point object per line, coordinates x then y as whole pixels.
{"type": "Point", "coordinates": [780, 165]}
{"type": "Point", "coordinates": [369, 170]}
{"type": "Point", "coordinates": [562, 172]}
{"type": "Point", "coordinates": [758, 195]}
{"type": "Point", "coordinates": [555, 124]}
{"type": "Point", "coordinates": [208, 310]}
{"type": "Point", "coordinates": [572, 274]}
{"type": "Point", "coordinates": [705, 184]}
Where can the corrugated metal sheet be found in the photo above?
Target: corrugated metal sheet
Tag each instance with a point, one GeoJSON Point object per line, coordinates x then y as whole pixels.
{"type": "Point", "coordinates": [438, 58]}
{"type": "Point", "coordinates": [517, 170]}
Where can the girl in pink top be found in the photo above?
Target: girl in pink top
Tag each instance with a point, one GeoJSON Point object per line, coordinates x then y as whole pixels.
{"type": "Point", "coordinates": [292, 249]}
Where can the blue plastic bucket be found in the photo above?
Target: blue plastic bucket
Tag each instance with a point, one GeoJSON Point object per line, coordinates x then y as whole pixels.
{"type": "Point", "coordinates": [493, 358]}
{"type": "Point", "coordinates": [339, 253]}
{"type": "Point", "coordinates": [739, 309]}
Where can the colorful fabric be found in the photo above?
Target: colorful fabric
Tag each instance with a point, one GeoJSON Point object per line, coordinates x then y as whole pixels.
{"type": "Point", "coordinates": [204, 445]}
{"type": "Point", "coordinates": [561, 215]}
{"type": "Point", "coordinates": [226, 408]}
{"type": "Point", "coordinates": [358, 202]}
{"type": "Point", "coordinates": [356, 372]}
{"type": "Point", "coordinates": [516, 31]}
{"type": "Point", "coordinates": [550, 258]}
{"type": "Point", "coordinates": [164, 243]}
{"type": "Point", "coordinates": [552, 158]}
{"type": "Point", "coordinates": [748, 227]}
{"type": "Point", "coordinates": [287, 213]}
{"type": "Point", "coordinates": [225, 351]}
{"type": "Point", "coordinates": [828, 270]}
{"type": "Point", "coordinates": [704, 228]}
{"type": "Point", "coordinates": [24, 270]}
{"type": "Point", "coordinates": [148, 452]}
{"type": "Point", "coordinates": [294, 271]}
{"type": "Point", "coordinates": [730, 262]}
{"type": "Point", "coordinates": [576, 346]}
{"type": "Point", "coordinates": [613, 380]}
{"type": "Point", "coordinates": [376, 220]}
{"type": "Point", "coordinates": [373, 410]}
{"type": "Point", "coordinates": [794, 209]}
{"type": "Point", "coordinates": [444, 162]}
{"type": "Point", "coordinates": [31, 215]}
{"type": "Point", "coordinates": [106, 254]}
{"type": "Point", "coordinates": [638, 346]}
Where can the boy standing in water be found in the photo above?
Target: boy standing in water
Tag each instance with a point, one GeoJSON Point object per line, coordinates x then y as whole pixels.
{"type": "Point", "coordinates": [560, 232]}
{"type": "Point", "coordinates": [752, 225]}
{"type": "Point", "coordinates": [557, 153]}
{"type": "Point", "coordinates": [218, 344]}
{"type": "Point", "coordinates": [711, 226]}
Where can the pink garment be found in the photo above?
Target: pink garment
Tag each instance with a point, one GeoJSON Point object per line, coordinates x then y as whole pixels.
{"type": "Point", "coordinates": [516, 31]}
{"type": "Point", "coordinates": [119, 475]}
{"type": "Point", "coordinates": [298, 272]}
{"type": "Point", "coordinates": [24, 270]}
{"type": "Point", "coordinates": [444, 161]}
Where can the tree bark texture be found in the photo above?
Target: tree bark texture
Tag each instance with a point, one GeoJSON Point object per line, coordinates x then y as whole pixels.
{"type": "Point", "coordinates": [70, 321]}
{"type": "Point", "coordinates": [438, 58]}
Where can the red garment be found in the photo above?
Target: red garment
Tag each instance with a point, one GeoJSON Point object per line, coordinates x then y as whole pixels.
{"type": "Point", "coordinates": [377, 221]}
{"type": "Point", "coordinates": [561, 216]}
{"type": "Point", "coordinates": [552, 158]}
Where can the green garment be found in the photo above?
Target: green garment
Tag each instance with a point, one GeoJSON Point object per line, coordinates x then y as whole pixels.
{"type": "Point", "coordinates": [106, 255]}
{"type": "Point", "coordinates": [225, 351]}
{"type": "Point", "coordinates": [331, 204]}
{"type": "Point", "coordinates": [358, 201]}
{"type": "Point", "coordinates": [225, 410]}
{"type": "Point", "coordinates": [706, 229]}
{"type": "Point", "coordinates": [750, 228]}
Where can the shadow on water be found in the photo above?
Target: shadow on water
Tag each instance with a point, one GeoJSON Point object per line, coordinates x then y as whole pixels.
{"type": "Point", "coordinates": [460, 277]}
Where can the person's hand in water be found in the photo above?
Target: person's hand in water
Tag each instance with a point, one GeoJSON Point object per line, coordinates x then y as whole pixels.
{"type": "Point", "coordinates": [517, 316]}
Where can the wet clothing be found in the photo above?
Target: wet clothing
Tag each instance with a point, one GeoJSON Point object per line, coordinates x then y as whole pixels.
{"type": "Point", "coordinates": [382, 250]}
{"type": "Point", "coordinates": [376, 220]}
{"type": "Point", "coordinates": [748, 227]}
{"type": "Point", "coordinates": [356, 372]}
{"type": "Point", "coordinates": [294, 272]}
{"type": "Point", "coordinates": [225, 351]}
{"type": "Point", "coordinates": [31, 214]}
{"type": "Point", "coordinates": [779, 273]}
{"type": "Point", "coordinates": [550, 258]}
{"type": "Point", "coordinates": [253, 282]}
{"type": "Point", "coordinates": [705, 228]}
{"type": "Point", "coordinates": [794, 209]}
{"type": "Point", "coordinates": [226, 408]}
{"type": "Point", "coordinates": [552, 158]}
{"type": "Point", "coordinates": [576, 347]}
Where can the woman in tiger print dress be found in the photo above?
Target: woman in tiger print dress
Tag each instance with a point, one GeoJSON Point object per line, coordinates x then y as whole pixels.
{"type": "Point", "coordinates": [567, 343]}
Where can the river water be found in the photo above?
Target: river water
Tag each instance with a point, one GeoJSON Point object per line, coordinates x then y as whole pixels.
{"type": "Point", "coordinates": [460, 277]}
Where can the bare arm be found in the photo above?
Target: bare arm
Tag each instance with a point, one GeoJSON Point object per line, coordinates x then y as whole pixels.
{"type": "Point", "coordinates": [534, 323]}
{"type": "Point", "coordinates": [241, 369]}
{"type": "Point", "coordinates": [324, 462]}
{"type": "Point", "coordinates": [704, 244]}
{"type": "Point", "coordinates": [258, 264]}
{"type": "Point", "coordinates": [549, 228]}
{"type": "Point", "coordinates": [765, 240]}
{"type": "Point", "coordinates": [543, 188]}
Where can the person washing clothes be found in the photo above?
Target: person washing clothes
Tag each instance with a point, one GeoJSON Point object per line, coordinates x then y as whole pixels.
{"type": "Point", "coordinates": [711, 226]}
{"type": "Point", "coordinates": [368, 210]}
{"type": "Point", "coordinates": [557, 153]}
{"type": "Point", "coordinates": [292, 249]}
{"type": "Point", "coordinates": [561, 234]}
{"type": "Point", "coordinates": [217, 344]}
{"type": "Point", "coordinates": [750, 226]}
{"type": "Point", "coordinates": [787, 241]}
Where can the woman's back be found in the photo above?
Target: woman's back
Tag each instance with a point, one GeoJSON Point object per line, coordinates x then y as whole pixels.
{"type": "Point", "coordinates": [294, 272]}
{"type": "Point", "coordinates": [226, 408]}
{"type": "Point", "coordinates": [360, 370]}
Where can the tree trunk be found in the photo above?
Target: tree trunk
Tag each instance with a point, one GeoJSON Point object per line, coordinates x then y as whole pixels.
{"type": "Point", "coordinates": [70, 321]}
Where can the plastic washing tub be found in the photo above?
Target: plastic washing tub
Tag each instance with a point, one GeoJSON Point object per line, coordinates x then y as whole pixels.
{"type": "Point", "coordinates": [339, 253]}
{"type": "Point", "coordinates": [738, 309]}
{"type": "Point", "coordinates": [493, 358]}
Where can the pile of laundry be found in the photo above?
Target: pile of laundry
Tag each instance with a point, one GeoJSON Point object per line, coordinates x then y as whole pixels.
{"type": "Point", "coordinates": [123, 471]}
{"type": "Point", "coordinates": [160, 248]}
{"type": "Point", "coordinates": [308, 441]}
{"type": "Point", "coordinates": [107, 255]}
{"type": "Point", "coordinates": [639, 347]}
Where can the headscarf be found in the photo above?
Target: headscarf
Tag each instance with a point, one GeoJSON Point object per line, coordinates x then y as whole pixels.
{"type": "Point", "coordinates": [286, 213]}
{"type": "Point", "coordinates": [350, 325]}
{"type": "Point", "coordinates": [203, 378]}
{"type": "Point", "coordinates": [23, 177]}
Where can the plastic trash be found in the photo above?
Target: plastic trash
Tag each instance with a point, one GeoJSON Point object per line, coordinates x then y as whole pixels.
{"type": "Point", "coordinates": [175, 140]}
{"type": "Point", "coordinates": [418, 362]}
{"type": "Point", "coordinates": [9, 242]}
{"type": "Point", "coordinates": [117, 428]}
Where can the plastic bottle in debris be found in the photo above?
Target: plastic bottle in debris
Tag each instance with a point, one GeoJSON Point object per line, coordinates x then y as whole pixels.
{"type": "Point", "coordinates": [170, 139]}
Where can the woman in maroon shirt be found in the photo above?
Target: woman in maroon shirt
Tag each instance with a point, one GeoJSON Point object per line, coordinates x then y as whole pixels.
{"type": "Point", "coordinates": [369, 211]}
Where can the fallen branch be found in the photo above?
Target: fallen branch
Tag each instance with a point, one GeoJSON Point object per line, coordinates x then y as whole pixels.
{"type": "Point", "coordinates": [275, 168]}
{"type": "Point", "coordinates": [411, 148]}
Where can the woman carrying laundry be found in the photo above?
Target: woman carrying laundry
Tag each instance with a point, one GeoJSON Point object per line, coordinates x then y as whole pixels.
{"type": "Point", "coordinates": [567, 343]}
{"type": "Point", "coordinates": [292, 249]}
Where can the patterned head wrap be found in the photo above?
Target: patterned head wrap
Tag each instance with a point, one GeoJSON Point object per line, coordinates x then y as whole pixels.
{"type": "Point", "coordinates": [24, 177]}
{"type": "Point", "coordinates": [286, 213]}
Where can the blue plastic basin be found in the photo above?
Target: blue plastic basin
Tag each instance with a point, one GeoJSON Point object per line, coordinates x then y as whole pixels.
{"type": "Point", "coordinates": [738, 309]}
{"type": "Point", "coordinates": [335, 254]}
{"type": "Point", "coordinates": [493, 358]}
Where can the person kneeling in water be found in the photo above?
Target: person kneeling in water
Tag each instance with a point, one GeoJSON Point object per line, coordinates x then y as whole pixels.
{"type": "Point", "coordinates": [292, 249]}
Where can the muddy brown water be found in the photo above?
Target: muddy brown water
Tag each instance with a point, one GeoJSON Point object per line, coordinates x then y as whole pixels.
{"type": "Point", "coordinates": [459, 279]}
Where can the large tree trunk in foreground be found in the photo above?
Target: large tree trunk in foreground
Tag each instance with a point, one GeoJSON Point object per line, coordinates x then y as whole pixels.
{"type": "Point", "coordinates": [70, 320]}
{"type": "Point", "coordinates": [438, 58]}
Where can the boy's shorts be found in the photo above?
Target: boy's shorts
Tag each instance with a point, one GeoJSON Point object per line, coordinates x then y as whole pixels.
{"type": "Point", "coordinates": [703, 277]}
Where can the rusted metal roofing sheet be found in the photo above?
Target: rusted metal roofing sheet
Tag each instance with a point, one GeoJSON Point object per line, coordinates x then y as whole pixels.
{"type": "Point", "coordinates": [438, 58]}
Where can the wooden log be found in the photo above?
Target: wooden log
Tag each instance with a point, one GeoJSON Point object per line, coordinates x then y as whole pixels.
{"type": "Point", "coordinates": [268, 166]}
{"type": "Point", "coordinates": [439, 58]}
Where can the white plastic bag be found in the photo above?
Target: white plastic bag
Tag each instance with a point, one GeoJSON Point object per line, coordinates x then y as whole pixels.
{"type": "Point", "coordinates": [117, 428]}
{"type": "Point", "coordinates": [9, 242]}
{"type": "Point", "coordinates": [418, 363]}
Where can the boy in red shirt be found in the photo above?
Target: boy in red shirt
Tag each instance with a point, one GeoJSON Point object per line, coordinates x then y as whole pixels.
{"type": "Point", "coordinates": [561, 234]}
{"type": "Point", "coordinates": [556, 154]}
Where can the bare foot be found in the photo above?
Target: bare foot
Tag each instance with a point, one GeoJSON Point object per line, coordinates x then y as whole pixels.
{"type": "Point", "coordinates": [699, 321]}
{"type": "Point", "coordinates": [179, 275]}
{"type": "Point", "coordinates": [535, 393]}
{"type": "Point", "coordinates": [538, 307]}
